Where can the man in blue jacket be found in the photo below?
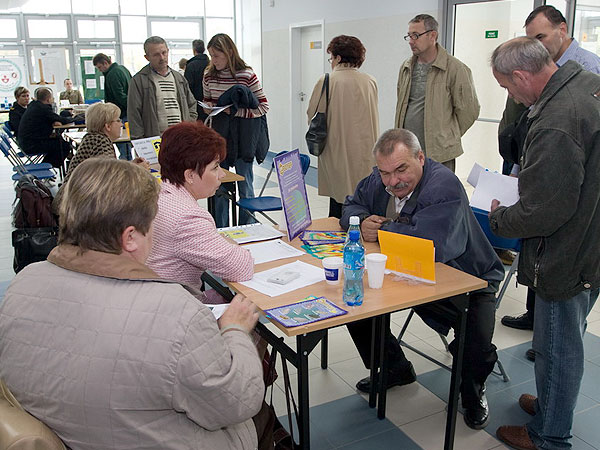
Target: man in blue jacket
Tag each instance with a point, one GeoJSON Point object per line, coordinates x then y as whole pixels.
{"type": "Point", "coordinates": [413, 195]}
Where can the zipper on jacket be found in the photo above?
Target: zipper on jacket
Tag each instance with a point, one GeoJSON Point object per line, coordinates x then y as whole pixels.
{"type": "Point", "coordinates": [536, 267]}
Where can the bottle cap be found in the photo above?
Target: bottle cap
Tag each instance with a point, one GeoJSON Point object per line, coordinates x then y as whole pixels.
{"type": "Point", "coordinates": [354, 220]}
{"type": "Point", "coordinates": [354, 235]}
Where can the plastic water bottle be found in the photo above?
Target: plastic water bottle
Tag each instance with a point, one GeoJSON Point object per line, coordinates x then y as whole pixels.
{"type": "Point", "coordinates": [354, 268]}
{"type": "Point", "coordinates": [354, 225]}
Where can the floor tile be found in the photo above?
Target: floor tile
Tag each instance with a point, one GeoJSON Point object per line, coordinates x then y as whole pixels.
{"type": "Point", "coordinates": [586, 426]}
{"type": "Point", "coordinates": [386, 440]}
{"type": "Point", "coordinates": [590, 385]}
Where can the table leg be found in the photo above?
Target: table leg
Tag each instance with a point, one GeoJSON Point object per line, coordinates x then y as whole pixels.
{"type": "Point", "coordinates": [375, 340]}
{"type": "Point", "coordinates": [462, 303]}
{"type": "Point", "coordinates": [324, 350]}
{"type": "Point", "coordinates": [383, 369]}
{"type": "Point", "coordinates": [233, 208]}
{"type": "Point", "coordinates": [303, 405]}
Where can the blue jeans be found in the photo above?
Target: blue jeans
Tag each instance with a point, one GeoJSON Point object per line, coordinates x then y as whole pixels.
{"type": "Point", "coordinates": [245, 190]}
{"type": "Point", "coordinates": [124, 150]}
{"type": "Point", "coordinates": [558, 330]}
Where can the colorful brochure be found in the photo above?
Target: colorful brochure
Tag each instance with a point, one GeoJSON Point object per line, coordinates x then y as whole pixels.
{"type": "Point", "coordinates": [309, 310]}
{"type": "Point", "coordinates": [314, 237]}
{"type": "Point", "coordinates": [408, 256]}
{"type": "Point", "coordinates": [324, 250]}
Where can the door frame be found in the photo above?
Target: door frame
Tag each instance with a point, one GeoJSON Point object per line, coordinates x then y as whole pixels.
{"type": "Point", "coordinates": [295, 34]}
{"type": "Point", "coordinates": [449, 8]}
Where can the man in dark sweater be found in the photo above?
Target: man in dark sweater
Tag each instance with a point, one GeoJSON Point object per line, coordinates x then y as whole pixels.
{"type": "Point", "coordinates": [36, 133]}
{"type": "Point", "coordinates": [116, 85]}
{"type": "Point", "coordinates": [194, 70]}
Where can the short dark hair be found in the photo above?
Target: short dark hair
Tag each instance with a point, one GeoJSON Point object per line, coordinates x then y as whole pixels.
{"type": "Point", "coordinates": [198, 46]}
{"type": "Point", "coordinates": [349, 49]}
{"type": "Point", "coordinates": [553, 15]}
{"type": "Point", "coordinates": [42, 94]}
{"type": "Point", "coordinates": [101, 58]}
{"type": "Point", "coordinates": [429, 22]}
{"type": "Point", "coordinates": [153, 40]}
{"type": "Point", "coordinates": [188, 145]}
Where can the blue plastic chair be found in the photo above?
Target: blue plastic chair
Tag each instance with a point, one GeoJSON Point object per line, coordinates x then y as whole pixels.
{"type": "Point", "coordinates": [264, 203]}
{"type": "Point", "coordinates": [7, 133]}
{"type": "Point", "coordinates": [21, 169]}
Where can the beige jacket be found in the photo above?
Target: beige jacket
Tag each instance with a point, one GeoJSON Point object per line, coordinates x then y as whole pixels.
{"type": "Point", "coordinates": [451, 104]}
{"type": "Point", "coordinates": [352, 129]}
{"type": "Point", "coordinates": [110, 357]}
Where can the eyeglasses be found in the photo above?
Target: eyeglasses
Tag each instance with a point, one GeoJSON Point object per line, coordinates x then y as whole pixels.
{"type": "Point", "coordinates": [330, 59]}
{"type": "Point", "coordinates": [415, 36]}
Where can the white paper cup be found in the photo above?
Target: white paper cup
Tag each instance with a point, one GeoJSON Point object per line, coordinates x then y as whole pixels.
{"type": "Point", "coordinates": [333, 266]}
{"type": "Point", "coordinates": [376, 268]}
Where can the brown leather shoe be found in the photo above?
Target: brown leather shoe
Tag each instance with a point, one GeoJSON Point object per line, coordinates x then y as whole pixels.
{"type": "Point", "coordinates": [516, 437]}
{"type": "Point", "coordinates": [527, 403]}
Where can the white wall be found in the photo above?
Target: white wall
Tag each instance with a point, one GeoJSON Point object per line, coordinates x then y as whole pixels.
{"type": "Point", "coordinates": [380, 26]}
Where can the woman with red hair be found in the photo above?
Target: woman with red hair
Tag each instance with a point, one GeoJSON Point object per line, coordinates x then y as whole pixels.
{"type": "Point", "coordinates": [186, 242]}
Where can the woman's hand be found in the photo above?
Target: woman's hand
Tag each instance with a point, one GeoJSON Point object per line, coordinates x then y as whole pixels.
{"type": "Point", "coordinates": [240, 314]}
{"type": "Point", "coordinates": [142, 162]}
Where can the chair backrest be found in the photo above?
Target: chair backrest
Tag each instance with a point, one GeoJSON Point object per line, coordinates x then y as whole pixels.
{"type": "Point", "coordinates": [496, 241]}
{"type": "Point", "coordinates": [19, 430]}
{"type": "Point", "coordinates": [305, 162]}
{"type": "Point", "coordinates": [7, 128]}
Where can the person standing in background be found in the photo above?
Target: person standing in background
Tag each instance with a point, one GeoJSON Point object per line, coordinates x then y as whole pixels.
{"type": "Point", "coordinates": [73, 95]}
{"type": "Point", "coordinates": [116, 86]}
{"type": "Point", "coordinates": [195, 67]}
{"type": "Point", "coordinates": [352, 122]}
{"type": "Point", "coordinates": [436, 94]}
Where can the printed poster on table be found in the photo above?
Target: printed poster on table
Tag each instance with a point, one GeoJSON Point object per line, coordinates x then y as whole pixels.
{"type": "Point", "coordinates": [293, 192]}
{"type": "Point", "coordinates": [147, 148]}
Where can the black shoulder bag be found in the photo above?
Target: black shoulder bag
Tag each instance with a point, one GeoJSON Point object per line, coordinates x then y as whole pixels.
{"type": "Point", "coordinates": [317, 130]}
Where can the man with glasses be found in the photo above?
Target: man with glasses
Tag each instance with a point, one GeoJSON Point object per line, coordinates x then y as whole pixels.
{"type": "Point", "coordinates": [436, 95]}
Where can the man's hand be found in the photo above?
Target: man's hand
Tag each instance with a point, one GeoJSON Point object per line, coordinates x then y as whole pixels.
{"type": "Point", "coordinates": [241, 313]}
{"type": "Point", "coordinates": [369, 227]}
{"type": "Point", "coordinates": [495, 204]}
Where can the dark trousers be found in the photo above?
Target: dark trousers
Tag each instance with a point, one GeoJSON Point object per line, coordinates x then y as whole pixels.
{"type": "Point", "coordinates": [54, 149]}
{"type": "Point", "coordinates": [530, 302]}
{"type": "Point", "coordinates": [335, 208]}
{"type": "Point", "coordinates": [480, 354]}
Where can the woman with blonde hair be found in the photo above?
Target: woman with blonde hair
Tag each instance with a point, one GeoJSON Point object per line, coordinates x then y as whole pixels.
{"type": "Point", "coordinates": [103, 123]}
{"type": "Point", "coordinates": [228, 80]}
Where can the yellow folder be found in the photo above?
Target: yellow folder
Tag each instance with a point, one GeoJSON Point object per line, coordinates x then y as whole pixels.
{"type": "Point", "coordinates": [408, 255]}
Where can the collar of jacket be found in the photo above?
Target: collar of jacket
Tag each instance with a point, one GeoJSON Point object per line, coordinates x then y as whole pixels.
{"type": "Point", "coordinates": [110, 68]}
{"type": "Point", "coordinates": [101, 264]}
{"type": "Point", "coordinates": [440, 61]}
{"type": "Point", "coordinates": [556, 82]}
{"type": "Point", "coordinates": [343, 67]}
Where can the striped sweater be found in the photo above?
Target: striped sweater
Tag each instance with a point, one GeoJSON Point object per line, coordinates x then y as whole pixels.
{"type": "Point", "coordinates": [214, 86]}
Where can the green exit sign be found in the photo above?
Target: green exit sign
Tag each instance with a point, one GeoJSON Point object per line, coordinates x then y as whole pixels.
{"type": "Point", "coordinates": [491, 34]}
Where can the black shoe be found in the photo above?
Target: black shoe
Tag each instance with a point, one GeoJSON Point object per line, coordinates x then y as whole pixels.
{"type": "Point", "coordinates": [530, 355]}
{"type": "Point", "coordinates": [477, 415]}
{"type": "Point", "coordinates": [394, 379]}
{"type": "Point", "coordinates": [522, 322]}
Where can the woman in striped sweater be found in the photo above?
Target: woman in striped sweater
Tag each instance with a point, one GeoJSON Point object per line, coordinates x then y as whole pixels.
{"type": "Point", "coordinates": [228, 69]}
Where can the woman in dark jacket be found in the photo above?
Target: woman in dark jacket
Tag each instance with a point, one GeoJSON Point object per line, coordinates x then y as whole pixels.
{"type": "Point", "coordinates": [18, 108]}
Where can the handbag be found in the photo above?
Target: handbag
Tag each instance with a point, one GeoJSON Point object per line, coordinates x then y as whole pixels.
{"type": "Point", "coordinates": [317, 129]}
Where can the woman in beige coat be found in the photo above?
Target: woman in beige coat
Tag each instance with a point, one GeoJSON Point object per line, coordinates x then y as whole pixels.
{"type": "Point", "coordinates": [352, 122]}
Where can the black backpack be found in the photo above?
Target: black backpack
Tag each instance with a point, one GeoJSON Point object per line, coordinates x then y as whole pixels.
{"type": "Point", "coordinates": [36, 225]}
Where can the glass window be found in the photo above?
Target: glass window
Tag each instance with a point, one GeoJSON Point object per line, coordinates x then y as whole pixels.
{"type": "Point", "coordinates": [133, 7]}
{"type": "Point", "coordinates": [47, 7]}
{"type": "Point", "coordinates": [96, 7]}
{"type": "Point", "coordinates": [176, 30]}
{"type": "Point", "coordinates": [8, 29]}
{"type": "Point", "coordinates": [134, 29]}
{"type": "Point", "coordinates": [219, 8]}
{"type": "Point", "coordinates": [47, 28]}
{"type": "Point", "coordinates": [214, 26]}
{"type": "Point", "coordinates": [172, 8]}
{"type": "Point", "coordinates": [176, 52]}
{"type": "Point", "coordinates": [98, 29]}
{"type": "Point", "coordinates": [133, 57]}
{"type": "Point", "coordinates": [587, 25]}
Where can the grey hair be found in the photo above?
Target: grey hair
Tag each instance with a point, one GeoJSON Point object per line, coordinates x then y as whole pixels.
{"type": "Point", "coordinates": [386, 143]}
{"type": "Point", "coordinates": [153, 40]}
{"type": "Point", "coordinates": [429, 22]}
{"type": "Point", "coordinates": [521, 53]}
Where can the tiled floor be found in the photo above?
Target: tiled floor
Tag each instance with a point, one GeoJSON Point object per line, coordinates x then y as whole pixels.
{"type": "Point", "coordinates": [340, 418]}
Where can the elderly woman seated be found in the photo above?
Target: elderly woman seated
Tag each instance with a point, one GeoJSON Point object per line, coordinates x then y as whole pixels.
{"type": "Point", "coordinates": [94, 344]}
{"type": "Point", "coordinates": [103, 124]}
{"type": "Point", "coordinates": [186, 242]}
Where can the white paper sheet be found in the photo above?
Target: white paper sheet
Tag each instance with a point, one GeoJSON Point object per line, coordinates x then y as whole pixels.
{"type": "Point", "coordinates": [146, 148]}
{"type": "Point", "coordinates": [218, 310]}
{"type": "Point", "coordinates": [473, 177]}
{"type": "Point", "coordinates": [272, 251]}
{"type": "Point", "coordinates": [90, 84]}
{"type": "Point", "coordinates": [493, 185]}
{"type": "Point", "coordinates": [309, 274]}
{"type": "Point", "coordinates": [89, 67]}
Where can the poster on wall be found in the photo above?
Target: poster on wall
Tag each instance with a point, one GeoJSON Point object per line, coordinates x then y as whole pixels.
{"type": "Point", "coordinates": [12, 74]}
{"type": "Point", "coordinates": [92, 79]}
{"type": "Point", "coordinates": [49, 69]}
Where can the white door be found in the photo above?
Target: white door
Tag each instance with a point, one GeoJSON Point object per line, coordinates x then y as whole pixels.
{"type": "Point", "coordinates": [475, 29]}
{"type": "Point", "coordinates": [307, 64]}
